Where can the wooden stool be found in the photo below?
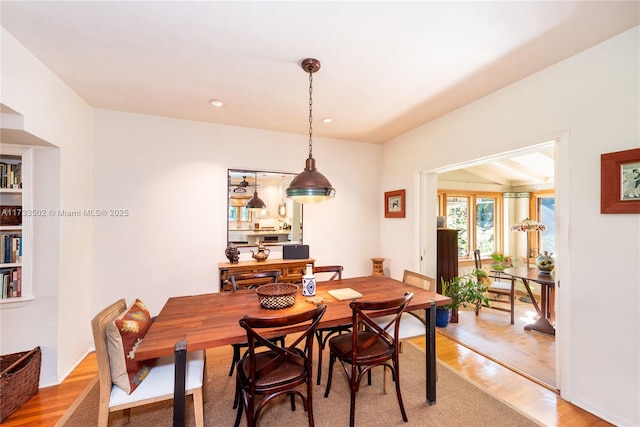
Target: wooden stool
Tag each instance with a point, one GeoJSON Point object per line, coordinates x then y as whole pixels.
{"type": "Point", "coordinates": [378, 269]}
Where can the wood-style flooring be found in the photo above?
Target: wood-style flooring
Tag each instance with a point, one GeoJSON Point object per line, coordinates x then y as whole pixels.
{"type": "Point", "coordinates": [531, 354]}
{"type": "Point", "coordinates": [532, 399]}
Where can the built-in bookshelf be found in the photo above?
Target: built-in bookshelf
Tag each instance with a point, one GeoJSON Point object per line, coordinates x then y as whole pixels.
{"type": "Point", "coordinates": [15, 224]}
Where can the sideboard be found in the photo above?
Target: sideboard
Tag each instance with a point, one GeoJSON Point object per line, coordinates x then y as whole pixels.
{"type": "Point", "coordinates": [291, 270]}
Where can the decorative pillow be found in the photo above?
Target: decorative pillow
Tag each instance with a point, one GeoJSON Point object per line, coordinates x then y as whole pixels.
{"type": "Point", "coordinates": [123, 337]}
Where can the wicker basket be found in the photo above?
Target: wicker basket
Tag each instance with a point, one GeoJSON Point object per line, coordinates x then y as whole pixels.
{"type": "Point", "coordinates": [19, 379]}
{"type": "Point", "coordinates": [275, 296]}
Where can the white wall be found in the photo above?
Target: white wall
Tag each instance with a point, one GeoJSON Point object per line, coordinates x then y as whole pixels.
{"type": "Point", "coordinates": [62, 246]}
{"type": "Point", "coordinates": [171, 176]}
{"type": "Point", "coordinates": [164, 170]}
{"type": "Point", "coordinates": [591, 102]}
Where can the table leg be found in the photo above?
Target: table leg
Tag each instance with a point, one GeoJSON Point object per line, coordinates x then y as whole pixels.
{"type": "Point", "coordinates": [430, 356]}
{"type": "Point", "coordinates": [542, 324]}
{"type": "Point", "coordinates": [180, 352]}
{"type": "Point", "coordinates": [530, 293]}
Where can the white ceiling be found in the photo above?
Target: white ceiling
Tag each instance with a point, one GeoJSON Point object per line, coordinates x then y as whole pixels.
{"type": "Point", "coordinates": [387, 67]}
{"type": "Point", "coordinates": [531, 169]}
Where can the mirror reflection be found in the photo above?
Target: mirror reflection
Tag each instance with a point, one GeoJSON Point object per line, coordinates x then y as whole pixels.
{"type": "Point", "coordinates": [270, 217]}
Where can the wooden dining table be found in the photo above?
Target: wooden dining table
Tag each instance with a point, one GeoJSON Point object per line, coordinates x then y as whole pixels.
{"type": "Point", "coordinates": [212, 320]}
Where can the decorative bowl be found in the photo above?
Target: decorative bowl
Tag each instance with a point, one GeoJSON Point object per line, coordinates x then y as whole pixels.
{"type": "Point", "coordinates": [275, 296]}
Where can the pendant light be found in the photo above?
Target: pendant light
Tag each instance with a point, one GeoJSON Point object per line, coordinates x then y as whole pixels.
{"type": "Point", "coordinates": [255, 202]}
{"type": "Point", "coordinates": [310, 186]}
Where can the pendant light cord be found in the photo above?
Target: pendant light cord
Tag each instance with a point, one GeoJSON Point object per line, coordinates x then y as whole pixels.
{"type": "Point", "coordinates": [310, 109]}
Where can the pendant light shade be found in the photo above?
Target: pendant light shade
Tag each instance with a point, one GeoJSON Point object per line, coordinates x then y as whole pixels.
{"type": "Point", "coordinates": [255, 202]}
{"type": "Point", "coordinates": [310, 186]}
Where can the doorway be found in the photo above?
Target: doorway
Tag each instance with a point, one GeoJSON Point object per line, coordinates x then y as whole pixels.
{"type": "Point", "coordinates": [498, 173]}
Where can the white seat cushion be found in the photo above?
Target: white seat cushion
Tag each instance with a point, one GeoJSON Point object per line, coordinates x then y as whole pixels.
{"type": "Point", "coordinates": [504, 286]}
{"type": "Point", "coordinates": [159, 382]}
{"type": "Point", "coordinates": [410, 326]}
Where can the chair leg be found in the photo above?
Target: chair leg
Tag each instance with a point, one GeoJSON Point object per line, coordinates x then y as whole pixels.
{"type": "Point", "coordinates": [384, 379]}
{"type": "Point", "coordinates": [308, 404]}
{"type": "Point", "coordinates": [397, 381]}
{"type": "Point", "coordinates": [127, 415]}
{"type": "Point", "coordinates": [352, 410]}
{"type": "Point", "coordinates": [320, 351]}
{"type": "Point", "coordinates": [103, 416]}
{"type": "Point", "coordinates": [236, 358]}
{"type": "Point", "coordinates": [198, 406]}
{"type": "Point", "coordinates": [332, 359]}
{"type": "Point", "coordinates": [239, 413]}
{"type": "Point", "coordinates": [236, 398]}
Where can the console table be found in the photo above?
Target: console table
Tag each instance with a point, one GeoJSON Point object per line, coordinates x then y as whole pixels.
{"type": "Point", "coordinates": [291, 270]}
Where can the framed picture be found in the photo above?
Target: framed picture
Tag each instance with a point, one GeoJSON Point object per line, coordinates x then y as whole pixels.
{"type": "Point", "coordinates": [394, 204]}
{"type": "Point", "coordinates": [620, 182]}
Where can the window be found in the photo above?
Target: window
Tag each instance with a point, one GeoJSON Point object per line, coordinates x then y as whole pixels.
{"type": "Point", "coordinates": [239, 213]}
{"type": "Point", "coordinates": [485, 224]}
{"type": "Point", "coordinates": [546, 214]}
{"type": "Point", "coordinates": [458, 219]}
{"type": "Point", "coordinates": [481, 233]}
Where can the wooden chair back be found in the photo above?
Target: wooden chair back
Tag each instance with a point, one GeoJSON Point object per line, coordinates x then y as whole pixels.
{"type": "Point", "coordinates": [255, 339]}
{"type": "Point", "coordinates": [99, 327]}
{"type": "Point", "coordinates": [325, 272]}
{"type": "Point", "coordinates": [419, 280]}
{"type": "Point", "coordinates": [253, 279]}
{"type": "Point", "coordinates": [278, 370]}
{"type": "Point", "coordinates": [363, 316]}
{"type": "Point", "coordinates": [477, 259]}
{"type": "Point", "coordinates": [502, 285]}
{"type": "Point", "coordinates": [328, 272]}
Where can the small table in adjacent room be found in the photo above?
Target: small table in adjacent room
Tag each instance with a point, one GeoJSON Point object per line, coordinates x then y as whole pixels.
{"type": "Point", "coordinates": [547, 284]}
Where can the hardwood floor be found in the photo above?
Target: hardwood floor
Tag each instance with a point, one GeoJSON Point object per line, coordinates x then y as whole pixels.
{"type": "Point", "coordinates": [538, 402]}
{"type": "Point", "coordinates": [531, 354]}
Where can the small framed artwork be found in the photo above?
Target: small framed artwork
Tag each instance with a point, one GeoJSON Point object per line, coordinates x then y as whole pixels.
{"type": "Point", "coordinates": [620, 182]}
{"type": "Point", "coordinates": [394, 204]}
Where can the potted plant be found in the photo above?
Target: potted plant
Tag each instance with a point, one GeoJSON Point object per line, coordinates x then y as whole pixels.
{"type": "Point", "coordinates": [467, 290]}
{"type": "Point", "coordinates": [500, 262]}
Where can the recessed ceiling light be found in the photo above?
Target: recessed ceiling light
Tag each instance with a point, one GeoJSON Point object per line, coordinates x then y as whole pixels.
{"type": "Point", "coordinates": [327, 120]}
{"type": "Point", "coordinates": [216, 102]}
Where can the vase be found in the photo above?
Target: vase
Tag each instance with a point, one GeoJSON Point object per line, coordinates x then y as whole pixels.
{"type": "Point", "coordinates": [545, 262]}
{"type": "Point", "coordinates": [443, 315]}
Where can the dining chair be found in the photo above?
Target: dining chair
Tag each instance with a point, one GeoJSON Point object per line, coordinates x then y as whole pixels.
{"type": "Point", "coordinates": [159, 382]}
{"type": "Point", "coordinates": [501, 285]}
{"type": "Point", "coordinates": [413, 322]}
{"type": "Point", "coordinates": [365, 348]}
{"type": "Point", "coordinates": [327, 272]}
{"type": "Point", "coordinates": [252, 280]}
{"type": "Point", "coordinates": [276, 371]}
{"type": "Point", "coordinates": [245, 281]}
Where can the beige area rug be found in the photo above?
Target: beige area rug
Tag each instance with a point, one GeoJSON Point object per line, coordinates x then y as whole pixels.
{"type": "Point", "coordinates": [459, 402]}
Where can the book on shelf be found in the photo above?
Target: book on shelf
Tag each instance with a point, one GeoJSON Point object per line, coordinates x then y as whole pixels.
{"type": "Point", "coordinates": [11, 279]}
{"type": "Point", "coordinates": [10, 248]}
{"type": "Point", "coordinates": [10, 175]}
